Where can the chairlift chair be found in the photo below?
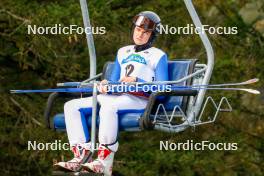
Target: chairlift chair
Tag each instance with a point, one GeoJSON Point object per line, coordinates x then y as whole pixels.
{"type": "Point", "coordinates": [180, 109]}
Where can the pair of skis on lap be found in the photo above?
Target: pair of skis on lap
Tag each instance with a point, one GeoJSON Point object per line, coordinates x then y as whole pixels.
{"type": "Point", "coordinates": [173, 87]}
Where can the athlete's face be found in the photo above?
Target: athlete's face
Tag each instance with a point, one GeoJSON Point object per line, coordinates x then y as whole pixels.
{"type": "Point", "coordinates": [141, 36]}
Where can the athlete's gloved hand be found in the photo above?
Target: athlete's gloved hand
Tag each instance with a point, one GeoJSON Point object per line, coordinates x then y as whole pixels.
{"type": "Point", "coordinates": [128, 79]}
{"type": "Point", "coordinates": [102, 88]}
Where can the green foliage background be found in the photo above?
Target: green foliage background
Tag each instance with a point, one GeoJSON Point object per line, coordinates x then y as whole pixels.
{"type": "Point", "coordinates": [40, 61]}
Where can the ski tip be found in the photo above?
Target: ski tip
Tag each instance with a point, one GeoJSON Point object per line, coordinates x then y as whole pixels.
{"type": "Point", "coordinates": [60, 84]}
{"type": "Point", "coordinates": [16, 91]}
{"type": "Point", "coordinates": [251, 81]}
{"type": "Point", "coordinates": [253, 91]}
{"type": "Point", "coordinates": [13, 91]}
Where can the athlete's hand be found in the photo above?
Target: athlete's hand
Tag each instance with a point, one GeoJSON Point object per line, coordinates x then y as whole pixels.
{"type": "Point", "coordinates": [102, 88]}
{"type": "Point", "coordinates": [128, 79]}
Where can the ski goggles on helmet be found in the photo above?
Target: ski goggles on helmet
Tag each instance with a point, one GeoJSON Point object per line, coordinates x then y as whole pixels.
{"type": "Point", "coordinates": [144, 23]}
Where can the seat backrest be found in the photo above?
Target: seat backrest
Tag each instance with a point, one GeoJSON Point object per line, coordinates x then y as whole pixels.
{"type": "Point", "coordinates": [107, 70]}
{"type": "Point", "coordinates": [177, 70]}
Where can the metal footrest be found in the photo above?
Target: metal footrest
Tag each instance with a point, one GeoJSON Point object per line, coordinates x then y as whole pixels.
{"type": "Point", "coordinates": [174, 121]}
{"type": "Point", "coordinates": [218, 108]}
{"type": "Point", "coordinates": [177, 120]}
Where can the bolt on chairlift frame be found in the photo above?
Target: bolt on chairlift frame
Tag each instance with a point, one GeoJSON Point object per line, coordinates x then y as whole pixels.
{"type": "Point", "coordinates": [205, 69]}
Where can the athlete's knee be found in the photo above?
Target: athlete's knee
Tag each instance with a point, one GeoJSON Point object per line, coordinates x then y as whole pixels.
{"type": "Point", "coordinates": [107, 109]}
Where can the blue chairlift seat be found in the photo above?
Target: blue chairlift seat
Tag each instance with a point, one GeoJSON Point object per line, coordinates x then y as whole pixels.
{"type": "Point", "coordinates": [129, 120]}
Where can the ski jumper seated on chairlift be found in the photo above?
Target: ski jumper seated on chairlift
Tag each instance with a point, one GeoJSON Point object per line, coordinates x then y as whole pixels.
{"type": "Point", "coordinates": [140, 62]}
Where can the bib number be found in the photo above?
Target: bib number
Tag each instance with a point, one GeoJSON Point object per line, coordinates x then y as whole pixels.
{"type": "Point", "coordinates": [129, 69]}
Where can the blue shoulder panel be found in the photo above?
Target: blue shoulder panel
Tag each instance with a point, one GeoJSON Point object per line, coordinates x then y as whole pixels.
{"type": "Point", "coordinates": [115, 76]}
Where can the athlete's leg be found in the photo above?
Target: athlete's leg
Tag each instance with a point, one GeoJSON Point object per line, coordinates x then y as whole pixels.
{"type": "Point", "coordinates": [78, 135]}
{"type": "Point", "coordinates": [75, 125]}
{"type": "Point", "coordinates": [108, 128]}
